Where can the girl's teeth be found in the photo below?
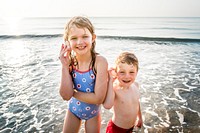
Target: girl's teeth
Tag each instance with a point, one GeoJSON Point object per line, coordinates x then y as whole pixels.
{"type": "Point", "coordinates": [80, 47]}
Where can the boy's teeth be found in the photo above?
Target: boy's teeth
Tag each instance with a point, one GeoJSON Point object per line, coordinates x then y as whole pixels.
{"type": "Point", "coordinates": [126, 81]}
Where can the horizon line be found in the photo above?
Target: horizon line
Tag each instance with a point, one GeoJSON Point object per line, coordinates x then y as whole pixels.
{"type": "Point", "coordinates": [102, 16]}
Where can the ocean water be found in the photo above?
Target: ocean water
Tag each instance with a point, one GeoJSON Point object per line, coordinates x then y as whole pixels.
{"type": "Point", "coordinates": [168, 50]}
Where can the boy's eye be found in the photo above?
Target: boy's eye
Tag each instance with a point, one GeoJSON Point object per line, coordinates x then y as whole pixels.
{"type": "Point", "coordinates": [85, 36]}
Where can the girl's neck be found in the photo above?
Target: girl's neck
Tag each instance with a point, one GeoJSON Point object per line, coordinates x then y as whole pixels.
{"type": "Point", "coordinates": [84, 62]}
{"type": "Point", "coordinates": [84, 58]}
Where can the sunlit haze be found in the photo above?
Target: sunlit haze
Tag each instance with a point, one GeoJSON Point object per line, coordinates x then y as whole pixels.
{"type": "Point", "coordinates": [100, 8]}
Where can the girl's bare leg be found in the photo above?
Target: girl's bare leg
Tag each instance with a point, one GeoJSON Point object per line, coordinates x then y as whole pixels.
{"type": "Point", "coordinates": [71, 123]}
{"type": "Point", "coordinates": [93, 125]}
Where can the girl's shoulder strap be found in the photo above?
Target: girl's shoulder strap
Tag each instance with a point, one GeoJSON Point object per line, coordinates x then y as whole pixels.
{"type": "Point", "coordinates": [70, 68]}
{"type": "Point", "coordinates": [94, 69]}
{"type": "Point", "coordinates": [93, 63]}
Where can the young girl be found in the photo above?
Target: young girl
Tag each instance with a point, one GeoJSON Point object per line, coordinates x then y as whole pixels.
{"type": "Point", "coordinates": [84, 76]}
{"type": "Point", "coordinates": [123, 95]}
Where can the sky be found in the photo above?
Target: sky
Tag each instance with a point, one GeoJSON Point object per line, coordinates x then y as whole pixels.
{"type": "Point", "coordinates": [100, 8]}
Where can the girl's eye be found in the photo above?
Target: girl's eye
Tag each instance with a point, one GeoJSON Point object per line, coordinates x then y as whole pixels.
{"type": "Point", "coordinates": [121, 72]}
{"type": "Point", "coordinates": [73, 38]}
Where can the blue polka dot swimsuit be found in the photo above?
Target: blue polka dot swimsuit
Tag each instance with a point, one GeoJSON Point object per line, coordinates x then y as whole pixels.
{"type": "Point", "coordinates": [84, 82]}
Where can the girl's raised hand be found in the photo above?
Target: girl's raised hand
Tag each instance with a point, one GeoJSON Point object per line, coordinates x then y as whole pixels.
{"type": "Point", "coordinates": [64, 54]}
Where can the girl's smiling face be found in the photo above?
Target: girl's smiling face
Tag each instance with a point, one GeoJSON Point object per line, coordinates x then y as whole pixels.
{"type": "Point", "coordinates": [126, 74]}
{"type": "Point", "coordinates": [80, 40]}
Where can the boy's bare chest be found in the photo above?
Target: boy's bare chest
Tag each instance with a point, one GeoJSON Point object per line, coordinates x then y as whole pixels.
{"type": "Point", "coordinates": [127, 97]}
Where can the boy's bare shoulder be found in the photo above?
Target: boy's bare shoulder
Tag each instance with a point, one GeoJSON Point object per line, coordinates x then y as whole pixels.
{"type": "Point", "coordinates": [135, 88]}
{"type": "Point", "coordinates": [136, 84]}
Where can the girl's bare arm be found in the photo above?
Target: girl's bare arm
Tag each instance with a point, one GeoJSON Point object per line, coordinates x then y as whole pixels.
{"type": "Point", "coordinates": [66, 85]}
{"type": "Point", "coordinates": [110, 96]}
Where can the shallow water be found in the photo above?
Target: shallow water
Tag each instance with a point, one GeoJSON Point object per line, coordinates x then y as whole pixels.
{"type": "Point", "coordinates": [169, 76]}
{"type": "Point", "coordinates": [169, 73]}
{"type": "Point", "coordinates": [170, 81]}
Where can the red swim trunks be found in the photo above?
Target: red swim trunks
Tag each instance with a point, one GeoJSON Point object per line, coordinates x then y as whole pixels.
{"type": "Point", "coordinates": [112, 128]}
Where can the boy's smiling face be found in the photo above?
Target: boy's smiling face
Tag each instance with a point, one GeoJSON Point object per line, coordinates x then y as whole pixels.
{"type": "Point", "coordinates": [126, 74]}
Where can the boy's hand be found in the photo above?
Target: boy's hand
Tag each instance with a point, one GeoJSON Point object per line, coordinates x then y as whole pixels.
{"type": "Point", "coordinates": [111, 74]}
{"type": "Point", "coordinates": [139, 123]}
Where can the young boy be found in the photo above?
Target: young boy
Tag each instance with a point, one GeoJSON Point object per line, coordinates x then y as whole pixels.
{"type": "Point", "coordinates": [123, 95]}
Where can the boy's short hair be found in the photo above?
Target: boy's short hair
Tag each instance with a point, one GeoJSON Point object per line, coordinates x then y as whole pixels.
{"type": "Point", "coordinates": [129, 58]}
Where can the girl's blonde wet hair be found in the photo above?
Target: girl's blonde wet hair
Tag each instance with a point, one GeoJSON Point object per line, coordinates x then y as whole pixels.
{"type": "Point", "coordinates": [127, 57]}
{"type": "Point", "coordinates": [81, 22]}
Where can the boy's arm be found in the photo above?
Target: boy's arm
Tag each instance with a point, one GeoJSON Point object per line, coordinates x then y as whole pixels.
{"type": "Point", "coordinates": [139, 115]}
{"type": "Point", "coordinates": [140, 121]}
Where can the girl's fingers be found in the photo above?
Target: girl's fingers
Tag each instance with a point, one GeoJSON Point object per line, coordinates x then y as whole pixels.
{"type": "Point", "coordinates": [63, 49]}
{"type": "Point", "coordinates": [62, 46]}
{"type": "Point", "coordinates": [64, 53]}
